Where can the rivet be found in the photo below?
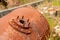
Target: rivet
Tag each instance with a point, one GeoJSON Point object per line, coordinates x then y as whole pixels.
{"type": "Point", "coordinates": [22, 17]}
{"type": "Point", "coordinates": [17, 17]}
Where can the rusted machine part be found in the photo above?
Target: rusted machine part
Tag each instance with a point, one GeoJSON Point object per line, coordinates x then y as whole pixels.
{"type": "Point", "coordinates": [24, 23]}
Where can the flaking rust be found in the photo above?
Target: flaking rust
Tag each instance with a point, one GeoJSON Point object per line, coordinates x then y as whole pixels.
{"type": "Point", "coordinates": [24, 23]}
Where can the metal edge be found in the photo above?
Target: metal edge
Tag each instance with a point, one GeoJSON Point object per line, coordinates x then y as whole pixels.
{"type": "Point", "coordinates": [20, 6]}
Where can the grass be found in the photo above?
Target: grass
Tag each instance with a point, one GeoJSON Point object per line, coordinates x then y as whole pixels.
{"type": "Point", "coordinates": [52, 24]}
{"type": "Point", "coordinates": [26, 1]}
{"type": "Point", "coordinates": [51, 21]}
{"type": "Point", "coordinates": [56, 2]}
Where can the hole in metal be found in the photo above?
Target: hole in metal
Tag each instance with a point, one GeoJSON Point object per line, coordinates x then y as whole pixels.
{"type": "Point", "coordinates": [21, 21]}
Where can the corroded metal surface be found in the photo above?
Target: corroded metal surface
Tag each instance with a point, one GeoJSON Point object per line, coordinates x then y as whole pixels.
{"type": "Point", "coordinates": [24, 23]}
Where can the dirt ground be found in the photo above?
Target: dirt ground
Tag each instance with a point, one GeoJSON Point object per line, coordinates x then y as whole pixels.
{"type": "Point", "coordinates": [1, 7]}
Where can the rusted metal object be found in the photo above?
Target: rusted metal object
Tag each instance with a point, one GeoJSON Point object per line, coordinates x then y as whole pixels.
{"type": "Point", "coordinates": [24, 23]}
